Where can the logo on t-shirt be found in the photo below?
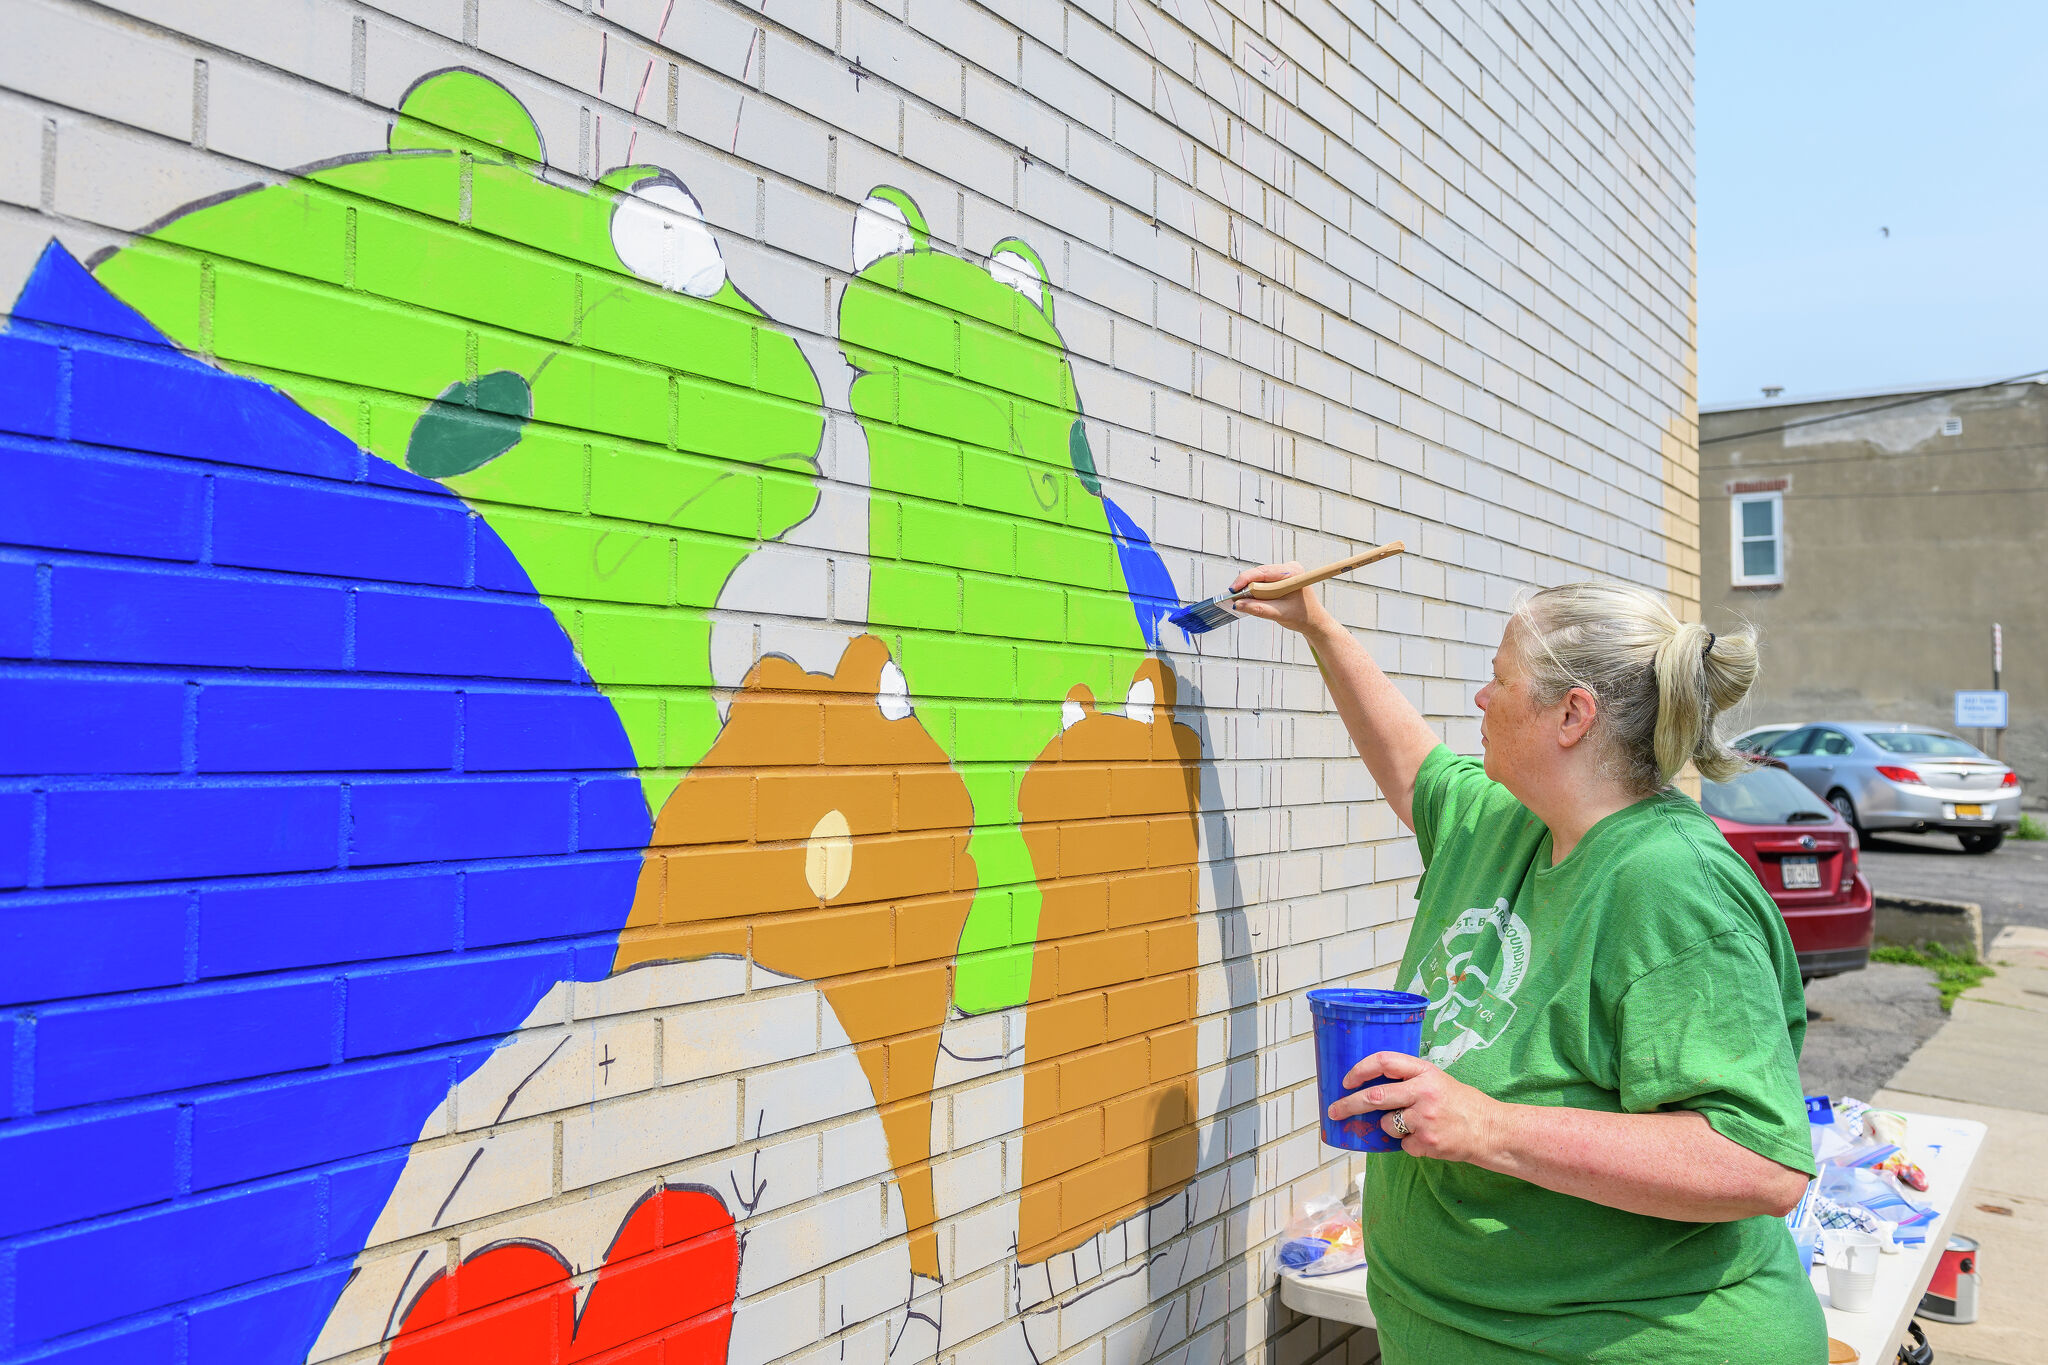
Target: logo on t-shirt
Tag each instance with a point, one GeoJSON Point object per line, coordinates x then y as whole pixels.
{"type": "Point", "coordinates": [1470, 977]}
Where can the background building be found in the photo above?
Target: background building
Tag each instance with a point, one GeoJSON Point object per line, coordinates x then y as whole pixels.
{"type": "Point", "coordinates": [1875, 538]}
{"type": "Point", "coordinates": [592, 751]}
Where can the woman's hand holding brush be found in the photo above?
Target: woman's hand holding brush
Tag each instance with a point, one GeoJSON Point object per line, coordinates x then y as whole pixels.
{"type": "Point", "coordinates": [1391, 736]}
{"type": "Point", "coordinates": [1272, 583]}
{"type": "Point", "coordinates": [1299, 611]}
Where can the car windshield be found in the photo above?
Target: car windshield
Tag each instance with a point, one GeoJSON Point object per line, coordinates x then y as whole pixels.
{"type": "Point", "coordinates": [1763, 796]}
{"type": "Point", "coordinates": [1788, 744]}
{"type": "Point", "coordinates": [1760, 740]}
{"type": "Point", "coordinates": [1922, 743]}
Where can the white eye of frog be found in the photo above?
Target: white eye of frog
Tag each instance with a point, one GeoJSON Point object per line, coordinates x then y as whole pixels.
{"type": "Point", "coordinates": [1019, 272]}
{"type": "Point", "coordinates": [880, 228]}
{"type": "Point", "coordinates": [658, 230]}
{"type": "Point", "coordinates": [892, 697]}
{"type": "Point", "coordinates": [1140, 700]}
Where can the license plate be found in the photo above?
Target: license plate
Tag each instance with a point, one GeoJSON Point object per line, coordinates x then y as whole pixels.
{"type": "Point", "coordinates": [1969, 812]}
{"type": "Point", "coordinates": [1800, 874]}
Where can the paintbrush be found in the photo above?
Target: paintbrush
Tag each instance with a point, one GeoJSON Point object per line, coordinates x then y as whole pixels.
{"type": "Point", "coordinates": [1216, 611]}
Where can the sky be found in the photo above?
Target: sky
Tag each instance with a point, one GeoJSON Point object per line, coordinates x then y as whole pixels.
{"type": "Point", "coordinates": [1820, 123]}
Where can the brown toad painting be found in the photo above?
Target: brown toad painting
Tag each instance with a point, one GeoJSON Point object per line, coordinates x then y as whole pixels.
{"type": "Point", "coordinates": [1109, 1103]}
{"type": "Point", "coordinates": [824, 837]}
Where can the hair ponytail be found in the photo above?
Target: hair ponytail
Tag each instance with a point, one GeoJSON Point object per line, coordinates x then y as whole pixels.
{"type": "Point", "coordinates": [1659, 684]}
{"type": "Point", "coordinates": [1700, 675]}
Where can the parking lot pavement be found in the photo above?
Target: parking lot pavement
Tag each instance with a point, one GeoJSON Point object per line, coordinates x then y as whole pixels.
{"type": "Point", "coordinates": [2010, 883]}
{"type": "Point", "coordinates": [1874, 1020]}
{"type": "Point", "coordinates": [1870, 1022]}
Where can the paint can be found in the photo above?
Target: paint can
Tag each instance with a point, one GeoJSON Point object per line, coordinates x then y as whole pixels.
{"type": "Point", "coordinates": [1952, 1290]}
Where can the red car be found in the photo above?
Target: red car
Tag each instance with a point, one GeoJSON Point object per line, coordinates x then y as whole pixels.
{"type": "Point", "coordinates": [1806, 856]}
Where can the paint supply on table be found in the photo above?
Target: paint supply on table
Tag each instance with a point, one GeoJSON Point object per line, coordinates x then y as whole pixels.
{"type": "Point", "coordinates": [1868, 1176]}
{"type": "Point", "coordinates": [1952, 1290]}
{"type": "Point", "coordinates": [1884, 1125]}
{"type": "Point", "coordinates": [1852, 1270]}
{"type": "Point", "coordinates": [1864, 1190]}
{"type": "Point", "coordinates": [1220, 610]}
{"type": "Point", "coordinates": [1352, 1023]}
{"type": "Point", "coordinates": [1907, 1173]}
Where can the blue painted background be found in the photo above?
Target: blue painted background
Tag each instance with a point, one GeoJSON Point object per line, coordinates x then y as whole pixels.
{"type": "Point", "coordinates": [304, 802]}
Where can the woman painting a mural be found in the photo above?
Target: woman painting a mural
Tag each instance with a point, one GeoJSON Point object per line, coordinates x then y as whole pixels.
{"type": "Point", "coordinates": [1605, 1125]}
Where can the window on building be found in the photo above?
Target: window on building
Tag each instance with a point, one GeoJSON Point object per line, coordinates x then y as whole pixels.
{"type": "Point", "coordinates": [1757, 538]}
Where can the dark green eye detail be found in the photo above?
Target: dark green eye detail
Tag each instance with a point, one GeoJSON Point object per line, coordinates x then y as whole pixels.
{"type": "Point", "coordinates": [1083, 458]}
{"type": "Point", "coordinates": [468, 426]}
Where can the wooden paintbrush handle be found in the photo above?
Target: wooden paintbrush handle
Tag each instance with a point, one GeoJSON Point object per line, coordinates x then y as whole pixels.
{"type": "Point", "coordinates": [1266, 592]}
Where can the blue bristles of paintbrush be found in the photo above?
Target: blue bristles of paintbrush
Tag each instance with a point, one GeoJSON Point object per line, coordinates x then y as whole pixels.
{"type": "Point", "coordinates": [1206, 615]}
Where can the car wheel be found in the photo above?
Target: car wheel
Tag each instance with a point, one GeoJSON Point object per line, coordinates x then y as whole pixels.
{"type": "Point", "coordinates": [1845, 808]}
{"type": "Point", "coordinates": [1982, 843]}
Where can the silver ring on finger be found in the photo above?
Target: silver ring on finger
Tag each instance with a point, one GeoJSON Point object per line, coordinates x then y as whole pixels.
{"type": "Point", "coordinates": [1401, 1128]}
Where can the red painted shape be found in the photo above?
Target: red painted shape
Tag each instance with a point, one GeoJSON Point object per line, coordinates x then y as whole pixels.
{"type": "Point", "coordinates": [663, 1297]}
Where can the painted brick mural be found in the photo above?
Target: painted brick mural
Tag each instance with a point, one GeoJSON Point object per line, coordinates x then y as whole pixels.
{"type": "Point", "coordinates": [592, 762]}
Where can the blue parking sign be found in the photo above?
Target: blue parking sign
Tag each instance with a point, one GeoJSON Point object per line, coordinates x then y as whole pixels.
{"type": "Point", "coordinates": [1980, 710]}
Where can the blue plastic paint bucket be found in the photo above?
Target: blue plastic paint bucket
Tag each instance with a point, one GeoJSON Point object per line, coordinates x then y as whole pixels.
{"type": "Point", "coordinates": [1352, 1024]}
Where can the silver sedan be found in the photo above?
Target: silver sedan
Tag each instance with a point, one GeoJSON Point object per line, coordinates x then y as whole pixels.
{"type": "Point", "coordinates": [1905, 777]}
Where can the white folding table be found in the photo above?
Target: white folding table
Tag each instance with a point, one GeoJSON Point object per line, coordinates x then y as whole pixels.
{"type": "Point", "coordinates": [1947, 1148]}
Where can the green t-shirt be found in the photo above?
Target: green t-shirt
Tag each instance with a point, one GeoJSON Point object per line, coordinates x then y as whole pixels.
{"type": "Point", "coordinates": [1647, 971]}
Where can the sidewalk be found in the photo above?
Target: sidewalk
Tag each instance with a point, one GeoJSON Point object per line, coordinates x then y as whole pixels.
{"type": "Point", "coordinates": [1990, 1063]}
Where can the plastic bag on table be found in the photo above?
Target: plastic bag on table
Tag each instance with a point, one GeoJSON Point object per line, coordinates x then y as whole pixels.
{"type": "Point", "coordinates": [1907, 1173]}
{"type": "Point", "coordinates": [1866, 1189]}
{"type": "Point", "coordinates": [1322, 1238]}
{"type": "Point", "coordinates": [1884, 1125]}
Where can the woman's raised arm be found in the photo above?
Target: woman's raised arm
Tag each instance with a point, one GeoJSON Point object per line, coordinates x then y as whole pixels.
{"type": "Point", "coordinates": [1391, 735]}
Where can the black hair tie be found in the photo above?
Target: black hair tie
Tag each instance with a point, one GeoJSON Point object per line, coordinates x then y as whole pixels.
{"type": "Point", "coordinates": [1710, 645]}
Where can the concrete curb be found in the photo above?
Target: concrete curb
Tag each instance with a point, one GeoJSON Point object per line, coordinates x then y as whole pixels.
{"type": "Point", "coordinates": [1910, 921]}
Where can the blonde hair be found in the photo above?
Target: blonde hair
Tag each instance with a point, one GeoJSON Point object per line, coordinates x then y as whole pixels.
{"type": "Point", "coordinates": [1658, 683]}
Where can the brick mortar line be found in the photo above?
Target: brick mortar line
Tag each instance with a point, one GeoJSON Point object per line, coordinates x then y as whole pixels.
{"type": "Point", "coordinates": [1294, 105]}
{"type": "Point", "coordinates": [1505, 472]}
{"type": "Point", "coordinates": [1252, 420]}
{"type": "Point", "coordinates": [1506, 400]}
{"type": "Point", "coordinates": [1235, 357]}
{"type": "Point", "coordinates": [1616, 283]}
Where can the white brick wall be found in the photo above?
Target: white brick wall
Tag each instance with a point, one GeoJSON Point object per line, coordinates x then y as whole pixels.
{"type": "Point", "coordinates": [1328, 273]}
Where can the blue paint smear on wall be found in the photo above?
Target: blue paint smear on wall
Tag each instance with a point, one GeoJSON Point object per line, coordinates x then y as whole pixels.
{"type": "Point", "coordinates": [270, 914]}
{"type": "Point", "coordinates": [1151, 589]}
